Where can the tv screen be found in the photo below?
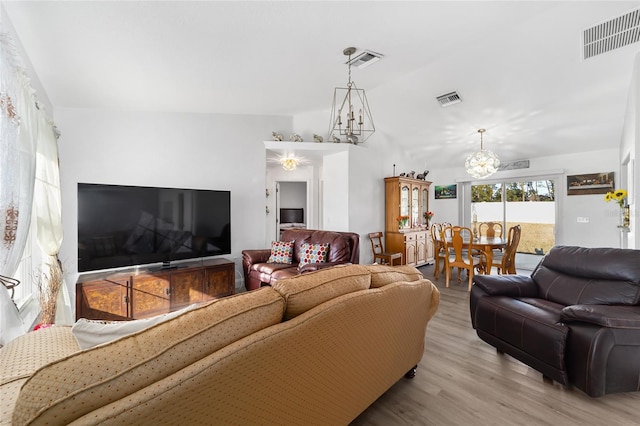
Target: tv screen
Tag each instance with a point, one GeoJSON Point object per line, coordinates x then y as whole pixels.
{"type": "Point", "coordinates": [122, 226]}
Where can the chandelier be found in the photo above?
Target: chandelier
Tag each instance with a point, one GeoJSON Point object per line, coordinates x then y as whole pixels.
{"type": "Point", "coordinates": [350, 112]}
{"type": "Point", "coordinates": [289, 163]}
{"type": "Point", "coordinates": [483, 163]}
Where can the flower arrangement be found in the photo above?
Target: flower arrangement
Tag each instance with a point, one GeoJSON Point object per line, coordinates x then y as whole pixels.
{"type": "Point", "coordinates": [618, 196]}
{"type": "Point", "coordinates": [428, 215]}
{"type": "Point", "coordinates": [402, 220]}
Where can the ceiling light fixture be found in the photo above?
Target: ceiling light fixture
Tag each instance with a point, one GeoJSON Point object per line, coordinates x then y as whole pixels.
{"type": "Point", "coordinates": [483, 163]}
{"type": "Point", "coordinates": [350, 113]}
{"type": "Point", "coordinates": [289, 163]}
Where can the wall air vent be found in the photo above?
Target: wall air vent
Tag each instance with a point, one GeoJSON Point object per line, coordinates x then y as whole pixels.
{"type": "Point", "coordinates": [612, 34]}
{"type": "Point", "coordinates": [364, 59]}
{"type": "Point", "coordinates": [449, 99]}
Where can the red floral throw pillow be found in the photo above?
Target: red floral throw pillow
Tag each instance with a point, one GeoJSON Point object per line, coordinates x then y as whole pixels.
{"type": "Point", "coordinates": [281, 252]}
{"type": "Point", "coordinates": [313, 253]}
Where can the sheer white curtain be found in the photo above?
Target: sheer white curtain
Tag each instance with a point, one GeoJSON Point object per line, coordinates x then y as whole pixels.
{"type": "Point", "coordinates": [22, 125]}
{"type": "Point", "coordinates": [48, 205]}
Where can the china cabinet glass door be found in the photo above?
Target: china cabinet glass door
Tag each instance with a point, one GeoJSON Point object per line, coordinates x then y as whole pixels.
{"type": "Point", "coordinates": [404, 200]}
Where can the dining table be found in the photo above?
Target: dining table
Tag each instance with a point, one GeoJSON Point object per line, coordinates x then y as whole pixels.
{"type": "Point", "coordinates": [487, 245]}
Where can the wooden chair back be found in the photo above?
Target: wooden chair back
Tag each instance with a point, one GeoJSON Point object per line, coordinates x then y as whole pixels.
{"type": "Point", "coordinates": [379, 253]}
{"type": "Point", "coordinates": [508, 265]}
{"type": "Point", "coordinates": [461, 257]}
{"type": "Point", "coordinates": [490, 229]}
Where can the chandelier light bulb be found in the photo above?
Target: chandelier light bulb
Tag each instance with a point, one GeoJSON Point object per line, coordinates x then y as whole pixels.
{"type": "Point", "coordinates": [483, 163]}
{"type": "Point", "coordinates": [289, 163]}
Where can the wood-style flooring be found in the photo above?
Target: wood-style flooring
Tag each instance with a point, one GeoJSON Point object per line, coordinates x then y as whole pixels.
{"type": "Point", "coordinates": [462, 380]}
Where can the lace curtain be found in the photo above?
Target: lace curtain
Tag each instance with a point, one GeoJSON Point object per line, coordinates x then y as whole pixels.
{"type": "Point", "coordinates": [23, 129]}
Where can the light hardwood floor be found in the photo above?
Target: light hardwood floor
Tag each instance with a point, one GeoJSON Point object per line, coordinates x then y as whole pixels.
{"type": "Point", "coordinates": [462, 380]}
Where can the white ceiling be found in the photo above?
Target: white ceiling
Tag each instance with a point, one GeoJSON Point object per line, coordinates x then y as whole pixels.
{"type": "Point", "coordinates": [516, 64]}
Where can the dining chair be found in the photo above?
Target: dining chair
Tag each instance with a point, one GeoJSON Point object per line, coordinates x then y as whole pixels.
{"type": "Point", "coordinates": [461, 242]}
{"type": "Point", "coordinates": [440, 249]}
{"type": "Point", "coordinates": [380, 254]}
{"type": "Point", "coordinates": [490, 229]}
{"type": "Point", "coordinates": [505, 262]}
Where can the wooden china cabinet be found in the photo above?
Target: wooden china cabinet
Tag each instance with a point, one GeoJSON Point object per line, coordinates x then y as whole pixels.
{"type": "Point", "coordinates": [408, 197]}
{"type": "Point", "coordinates": [141, 293]}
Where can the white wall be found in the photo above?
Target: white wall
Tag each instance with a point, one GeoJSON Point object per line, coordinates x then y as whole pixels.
{"type": "Point", "coordinates": [628, 148]}
{"type": "Point", "coordinates": [202, 151]}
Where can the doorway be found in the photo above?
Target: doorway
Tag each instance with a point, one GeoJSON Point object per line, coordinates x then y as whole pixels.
{"type": "Point", "coordinates": [528, 203]}
{"type": "Point", "coordinates": [291, 205]}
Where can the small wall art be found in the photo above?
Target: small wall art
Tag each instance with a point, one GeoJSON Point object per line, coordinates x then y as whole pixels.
{"type": "Point", "coordinates": [446, 191]}
{"type": "Point", "coordinates": [590, 183]}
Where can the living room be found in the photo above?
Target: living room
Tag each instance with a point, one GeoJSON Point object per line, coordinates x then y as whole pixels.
{"type": "Point", "coordinates": [134, 124]}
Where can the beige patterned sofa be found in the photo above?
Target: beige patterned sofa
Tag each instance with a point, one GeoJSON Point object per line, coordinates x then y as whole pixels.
{"type": "Point", "coordinates": [314, 349]}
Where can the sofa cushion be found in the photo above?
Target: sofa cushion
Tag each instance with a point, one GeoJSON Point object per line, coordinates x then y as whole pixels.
{"type": "Point", "coordinates": [22, 356]}
{"type": "Point", "coordinates": [281, 252]}
{"type": "Point", "coordinates": [382, 275]}
{"type": "Point", "coordinates": [313, 253]}
{"type": "Point", "coordinates": [305, 291]}
{"type": "Point", "coordinates": [92, 378]}
{"type": "Point", "coordinates": [589, 276]}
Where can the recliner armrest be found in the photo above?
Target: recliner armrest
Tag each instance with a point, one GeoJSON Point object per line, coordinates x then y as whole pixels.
{"type": "Point", "coordinates": [611, 316]}
{"type": "Point", "coordinates": [507, 285]}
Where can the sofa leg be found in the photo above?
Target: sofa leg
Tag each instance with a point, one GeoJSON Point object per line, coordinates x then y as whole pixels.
{"type": "Point", "coordinates": [499, 351]}
{"type": "Point", "coordinates": [411, 373]}
{"type": "Point", "coordinates": [547, 379]}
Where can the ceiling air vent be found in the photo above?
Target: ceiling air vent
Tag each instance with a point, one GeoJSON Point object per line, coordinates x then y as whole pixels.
{"type": "Point", "coordinates": [449, 99]}
{"type": "Point", "coordinates": [364, 59]}
{"type": "Point", "coordinates": [612, 34]}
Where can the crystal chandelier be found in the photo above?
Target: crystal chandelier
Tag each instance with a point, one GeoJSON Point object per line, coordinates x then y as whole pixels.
{"type": "Point", "coordinates": [289, 163]}
{"type": "Point", "coordinates": [350, 112]}
{"type": "Point", "coordinates": [483, 163]}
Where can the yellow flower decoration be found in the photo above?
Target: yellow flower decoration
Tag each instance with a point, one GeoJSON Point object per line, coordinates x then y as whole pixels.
{"type": "Point", "coordinates": [618, 195]}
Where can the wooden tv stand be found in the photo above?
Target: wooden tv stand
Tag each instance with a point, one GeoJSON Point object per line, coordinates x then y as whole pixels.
{"type": "Point", "coordinates": [141, 293]}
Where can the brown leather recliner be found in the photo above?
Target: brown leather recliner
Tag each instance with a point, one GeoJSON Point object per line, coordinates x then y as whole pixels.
{"type": "Point", "coordinates": [576, 319]}
{"type": "Point", "coordinates": [343, 248]}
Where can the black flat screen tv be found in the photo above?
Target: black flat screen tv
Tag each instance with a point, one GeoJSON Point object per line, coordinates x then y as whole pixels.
{"type": "Point", "coordinates": [121, 226]}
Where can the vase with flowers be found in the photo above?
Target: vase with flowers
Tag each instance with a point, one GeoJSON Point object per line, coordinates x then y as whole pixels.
{"type": "Point", "coordinates": [403, 221]}
{"type": "Point", "coordinates": [620, 197]}
{"type": "Point", "coordinates": [428, 215]}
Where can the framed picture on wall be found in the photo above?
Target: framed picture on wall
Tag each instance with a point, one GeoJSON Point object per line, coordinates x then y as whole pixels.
{"type": "Point", "coordinates": [446, 191]}
{"type": "Point", "coordinates": [592, 183]}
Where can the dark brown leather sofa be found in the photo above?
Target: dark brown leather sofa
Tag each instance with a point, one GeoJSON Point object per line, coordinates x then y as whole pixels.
{"type": "Point", "coordinates": [344, 247]}
{"type": "Point", "coordinates": [576, 319]}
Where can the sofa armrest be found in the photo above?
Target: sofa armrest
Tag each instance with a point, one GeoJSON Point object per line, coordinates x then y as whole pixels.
{"type": "Point", "coordinates": [611, 316]}
{"type": "Point", "coordinates": [256, 256]}
{"type": "Point", "coordinates": [310, 267]}
{"type": "Point", "coordinates": [250, 257]}
{"type": "Point", "coordinates": [507, 285]}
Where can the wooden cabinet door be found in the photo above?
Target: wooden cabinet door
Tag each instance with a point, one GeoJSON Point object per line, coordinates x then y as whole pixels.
{"type": "Point", "coordinates": [150, 295]}
{"type": "Point", "coordinates": [421, 248]}
{"type": "Point", "coordinates": [219, 281]}
{"type": "Point", "coordinates": [430, 250]}
{"type": "Point", "coordinates": [410, 249]}
{"type": "Point", "coordinates": [103, 299]}
{"type": "Point", "coordinates": [186, 288]}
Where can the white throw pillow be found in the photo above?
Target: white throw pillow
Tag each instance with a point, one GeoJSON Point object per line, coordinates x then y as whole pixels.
{"type": "Point", "coordinates": [90, 333]}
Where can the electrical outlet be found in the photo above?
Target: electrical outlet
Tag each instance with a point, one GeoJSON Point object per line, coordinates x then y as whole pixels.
{"type": "Point", "coordinates": [583, 219]}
